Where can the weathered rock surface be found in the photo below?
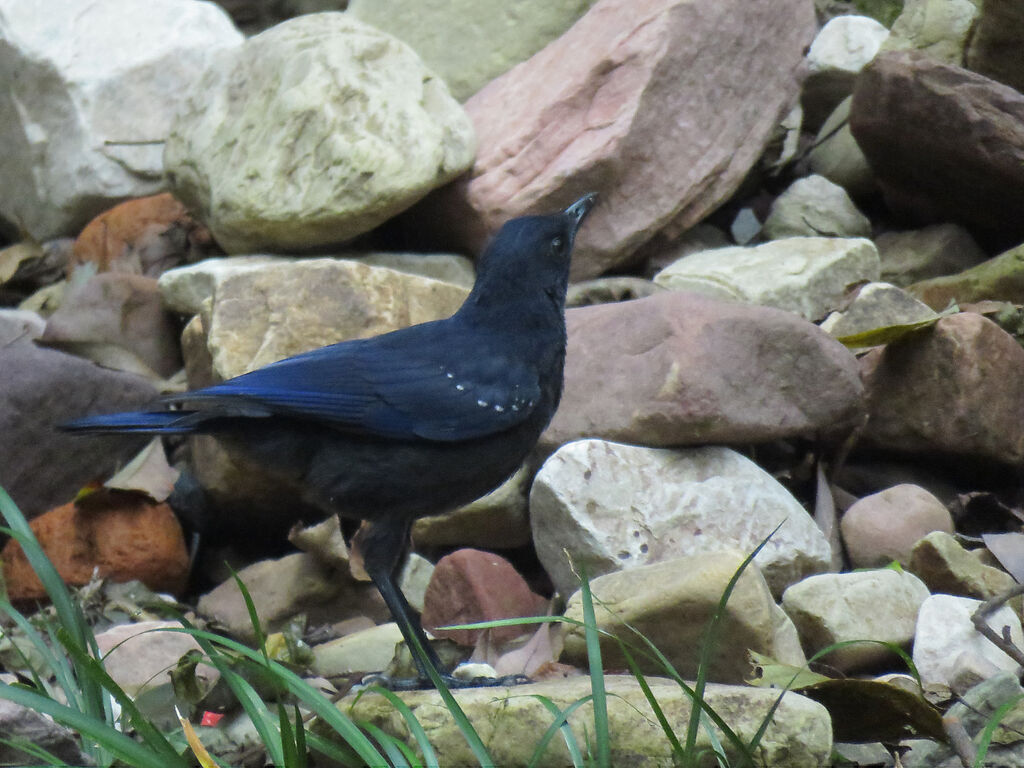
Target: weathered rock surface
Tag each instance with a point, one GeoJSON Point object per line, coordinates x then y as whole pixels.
{"type": "Point", "coordinates": [1000, 278]}
{"type": "Point", "coordinates": [813, 206]}
{"type": "Point", "coordinates": [311, 133]}
{"type": "Point", "coordinates": [957, 388]}
{"type": "Point", "coordinates": [671, 602]}
{"type": "Point", "coordinates": [140, 656]}
{"type": "Point", "coordinates": [121, 536]}
{"type": "Point", "coordinates": [368, 650]}
{"type": "Point", "coordinates": [492, 37]}
{"type": "Point", "coordinates": [615, 507]}
{"type": "Point", "coordinates": [805, 275]}
{"type": "Point", "coordinates": [945, 566]}
{"type": "Point", "coordinates": [39, 467]}
{"type": "Point", "coordinates": [837, 156]}
{"type": "Point", "coordinates": [88, 90]}
{"type": "Point", "coordinates": [679, 368]}
{"type": "Point", "coordinates": [958, 152]}
{"type": "Point", "coordinates": [625, 103]}
{"type": "Point", "coordinates": [994, 48]}
{"type": "Point", "coordinates": [799, 734]}
{"type": "Point", "coordinates": [919, 254]}
{"type": "Point", "coordinates": [938, 28]}
{"type": "Point", "coordinates": [865, 605]}
{"type": "Point", "coordinates": [877, 305]}
{"type": "Point", "coordinates": [885, 526]}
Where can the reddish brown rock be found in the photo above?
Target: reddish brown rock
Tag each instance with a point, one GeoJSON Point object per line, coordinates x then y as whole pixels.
{"type": "Point", "coordinates": [122, 311]}
{"type": "Point", "coordinates": [956, 388]}
{"type": "Point", "coordinates": [945, 144]}
{"type": "Point", "coordinates": [122, 535]}
{"type": "Point", "coordinates": [662, 106]}
{"type": "Point", "coordinates": [145, 236]}
{"type": "Point", "coordinates": [682, 369]}
{"type": "Point", "coordinates": [470, 585]}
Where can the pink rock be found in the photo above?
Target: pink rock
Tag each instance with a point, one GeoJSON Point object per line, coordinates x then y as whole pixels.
{"type": "Point", "coordinates": [956, 388]}
{"type": "Point", "coordinates": [885, 526]}
{"type": "Point", "coordinates": [660, 105]}
{"type": "Point", "coordinates": [471, 585]}
{"type": "Point", "coordinates": [681, 369]}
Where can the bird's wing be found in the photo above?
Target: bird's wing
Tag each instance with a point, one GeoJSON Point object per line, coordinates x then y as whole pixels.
{"type": "Point", "coordinates": [411, 384]}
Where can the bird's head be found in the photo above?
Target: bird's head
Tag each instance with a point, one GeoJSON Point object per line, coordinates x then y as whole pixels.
{"type": "Point", "coordinates": [529, 256]}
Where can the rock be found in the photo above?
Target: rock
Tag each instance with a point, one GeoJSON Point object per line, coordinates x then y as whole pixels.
{"type": "Point", "coordinates": [918, 254]}
{"type": "Point", "coordinates": [1000, 278]}
{"type": "Point", "coordinates": [877, 305]}
{"type": "Point", "coordinates": [616, 507]}
{"type": "Point", "coordinates": [815, 207]}
{"type": "Point", "coordinates": [498, 520]}
{"type": "Point", "coordinates": [955, 388]}
{"type": "Point", "coordinates": [27, 266]}
{"type": "Point", "coordinates": [184, 289]}
{"type": "Point", "coordinates": [18, 723]}
{"type": "Point", "coordinates": [78, 124]}
{"type": "Point", "coordinates": [958, 152]}
{"type": "Point", "coordinates": [369, 650]}
{"type": "Point", "coordinates": [660, 251]}
{"type": "Point", "coordinates": [668, 368]}
{"type": "Point", "coordinates": [944, 631]}
{"type": "Point", "coordinates": [885, 526]}
{"type": "Point", "coordinates": [799, 732]}
{"type": "Point", "coordinates": [947, 567]}
{"type": "Point", "coordinates": [604, 290]}
{"type": "Point", "coordinates": [446, 267]}
{"type": "Point", "coordinates": [121, 536]}
{"type": "Point", "coordinates": [40, 467]}
{"type": "Point", "coordinates": [20, 325]}
{"type": "Point", "coordinates": [837, 156]}
{"type": "Point", "coordinates": [671, 602]}
{"type": "Point", "coordinates": [119, 311]}
{"type": "Point", "coordinates": [938, 28]}
{"type": "Point", "coordinates": [492, 37]}
{"type": "Point", "coordinates": [323, 105]}
{"type": "Point", "coordinates": [140, 656]}
{"type": "Point", "coordinates": [145, 236]}
{"type": "Point", "coordinates": [993, 50]}
{"type": "Point", "coordinates": [269, 312]}
{"type": "Point", "coordinates": [470, 585]}
{"type": "Point", "coordinates": [866, 605]}
{"type": "Point", "coordinates": [689, 90]}
{"type": "Point", "coordinates": [414, 578]}
{"type": "Point", "coordinates": [805, 275]}
{"type": "Point", "coordinates": [280, 589]}
{"type": "Point", "coordinates": [839, 51]}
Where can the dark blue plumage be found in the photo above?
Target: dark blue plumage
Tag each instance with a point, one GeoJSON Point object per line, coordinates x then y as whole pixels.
{"type": "Point", "coordinates": [409, 423]}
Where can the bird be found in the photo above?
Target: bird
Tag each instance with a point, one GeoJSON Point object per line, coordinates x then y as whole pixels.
{"type": "Point", "coordinates": [415, 422]}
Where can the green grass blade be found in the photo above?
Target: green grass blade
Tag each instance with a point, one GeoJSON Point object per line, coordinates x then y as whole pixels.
{"type": "Point", "coordinates": [113, 741]}
{"type": "Point", "coordinates": [659, 713]}
{"type": "Point", "coordinates": [413, 724]}
{"type": "Point", "coordinates": [597, 689]}
{"type": "Point", "coordinates": [254, 618]}
{"type": "Point", "coordinates": [560, 723]}
{"type": "Point", "coordinates": [289, 753]}
{"type": "Point", "coordinates": [990, 728]}
{"type": "Point", "coordinates": [58, 665]}
{"type": "Point", "coordinates": [300, 737]}
{"type": "Point", "coordinates": [392, 747]}
{"type": "Point", "coordinates": [342, 753]}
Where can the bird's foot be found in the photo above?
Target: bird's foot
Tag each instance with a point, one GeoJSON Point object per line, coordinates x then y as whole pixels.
{"type": "Point", "coordinates": [451, 681]}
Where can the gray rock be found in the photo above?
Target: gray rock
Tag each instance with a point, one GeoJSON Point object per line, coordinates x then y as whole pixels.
{"type": "Point", "coordinates": [80, 127]}
{"type": "Point", "coordinates": [604, 290]}
{"type": "Point", "coordinates": [40, 467]}
{"type": "Point", "coordinates": [369, 650]}
{"type": "Point", "coordinates": [805, 275]}
{"type": "Point", "coordinates": [919, 254]}
{"type": "Point", "coordinates": [945, 566]}
{"type": "Point", "coordinates": [679, 368]}
{"type": "Point", "coordinates": [877, 305]}
{"type": "Point", "coordinates": [815, 207]}
{"type": "Point", "coordinates": [671, 602]}
{"type": "Point", "coordinates": [446, 267]}
{"type": "Point", "coordinates": [615, 507]}
{"type": "Point", "coordinates": [994, 43]}
{"type": "Point", "coordinates": [865, 605]}
{"type": "Point", "coordinates": [837, 156]}
{"type": "Point", "coordinates": [20, 325]}
{"type": "Point", "coordinates": [359, 132]}
{"type": "Point", "coordinates": [884, 526]}
{"type": "Point", "coordinates": [184, 289]}
{"type": "Point", "coordinates": [799, 733]}
{"type": "Point", "coordinates": [139, 656]}
{"type": "Point", "coordinates": [939, 28]}
{"type": "Point", "coordinates": [19, 723]}
{"type": "Point", "coordinates": [944, 631]}
{"type": "Point", "coordinates": [492, 36]}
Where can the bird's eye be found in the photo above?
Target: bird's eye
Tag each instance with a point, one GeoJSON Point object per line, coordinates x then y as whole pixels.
{"type": "Point", "coordinates": [557, 245]}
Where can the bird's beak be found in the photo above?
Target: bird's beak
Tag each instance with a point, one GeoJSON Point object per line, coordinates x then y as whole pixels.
{"type": "Point", "coordinates": [579, 210]}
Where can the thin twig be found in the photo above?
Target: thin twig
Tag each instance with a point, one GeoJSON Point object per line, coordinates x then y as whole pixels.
{"type": "Point", "coordinates": [1000, 640]}
{"type": "Point", "coordinates": [960, 740]}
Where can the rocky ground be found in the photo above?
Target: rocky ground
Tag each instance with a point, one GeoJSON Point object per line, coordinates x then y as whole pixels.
{"type": "Point", "coordinates": [796, 308]}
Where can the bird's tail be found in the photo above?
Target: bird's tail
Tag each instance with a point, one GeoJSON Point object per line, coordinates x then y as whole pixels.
{"type": "Point", "coordinates": [142, 422]}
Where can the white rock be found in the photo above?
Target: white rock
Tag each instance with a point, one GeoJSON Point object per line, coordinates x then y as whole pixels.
{"type": "Point", "coordinates": [865, 605]}
{"type": "Point", "coordinates": [369, 650]}
{"type": "Point", "coordinates": [805, 275]}
{"type": "Point", "coordinates": [846, 43]}
{"type": "Point", "coordinates": [814, 206]}
{"type": "Point", "coordinates": [613, 507]}
{"type": "Point", "coordinates": [184, 289]}
{"type": "Point", "coordinates": [838, 157]}
{"type": "Point", "coordinates": [311, 133]}
{"type": "Point", "coordinates": [87, 94]}
{"type": "Point", "coordinates": [945, 632]}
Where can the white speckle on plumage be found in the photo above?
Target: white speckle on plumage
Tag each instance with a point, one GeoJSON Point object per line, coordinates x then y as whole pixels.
{"type": "Point", "coordinates": [460, 387]}
{"type": "Point", "coordinates": [482, 403]}
{"type": "Point", "coordinates": [499, 409]}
